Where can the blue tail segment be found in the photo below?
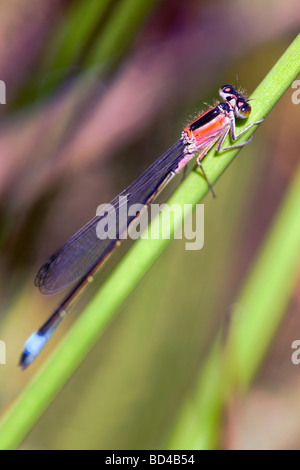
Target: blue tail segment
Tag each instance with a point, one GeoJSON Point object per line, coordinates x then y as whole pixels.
{"type": "Point", "coordinates": [32, 348]}
{"type": "Point", "coordinates": [36, 343]}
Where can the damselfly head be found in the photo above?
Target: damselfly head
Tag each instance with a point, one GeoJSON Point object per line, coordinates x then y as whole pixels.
{"type": "Point", "coordinates": [239, 104]}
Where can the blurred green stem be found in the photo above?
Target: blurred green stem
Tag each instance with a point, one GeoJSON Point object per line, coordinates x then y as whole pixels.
{"type": "Point", "coordinates": [115, 38]}
{"type": "Point", "coordinates": [259, 310]}
{"type": "Point", "coordinates": [78, 46]}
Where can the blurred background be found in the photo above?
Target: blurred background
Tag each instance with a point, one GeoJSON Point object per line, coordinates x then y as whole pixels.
{"type": "Point", "coordinates": [95, 91]}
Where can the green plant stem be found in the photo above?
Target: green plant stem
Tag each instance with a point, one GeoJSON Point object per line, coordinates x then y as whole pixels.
{"type": "Point", "coordinates": [29, 406]}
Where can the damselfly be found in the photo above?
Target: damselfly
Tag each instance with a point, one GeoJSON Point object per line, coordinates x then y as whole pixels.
{"type": "Point", "coordinates": [82, 256]}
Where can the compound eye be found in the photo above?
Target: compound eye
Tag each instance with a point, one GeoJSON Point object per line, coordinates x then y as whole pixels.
{"type": "Point", "coordinates": [227, 92]}
{"type": "Point", "coordinates": [227, 89]}
{"type": "Point", "coordinates": [244, 109]}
